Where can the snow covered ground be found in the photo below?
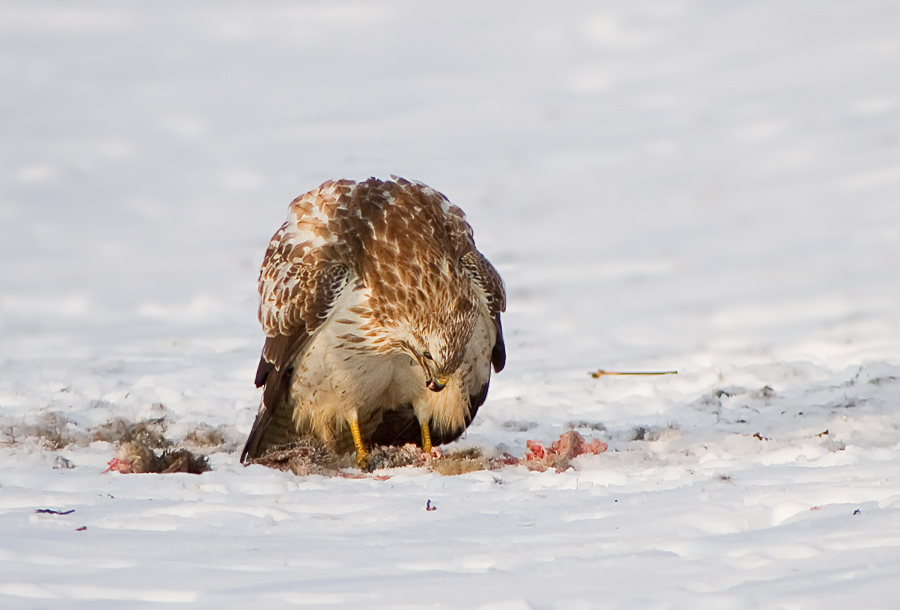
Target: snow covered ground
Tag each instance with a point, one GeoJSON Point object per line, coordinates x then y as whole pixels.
{"type": "Point", "coordinates": [694, 185]}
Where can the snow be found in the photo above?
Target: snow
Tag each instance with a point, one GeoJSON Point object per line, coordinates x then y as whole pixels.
{"type": "Point", "coordinates": [701, 186]}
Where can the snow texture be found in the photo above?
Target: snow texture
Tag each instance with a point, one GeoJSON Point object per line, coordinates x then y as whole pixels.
{"type": "Point", "coordinates": [694, 185]}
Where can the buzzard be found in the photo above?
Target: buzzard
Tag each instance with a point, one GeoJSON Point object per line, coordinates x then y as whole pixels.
{"type": "Point", "coordinates": [382, 321]}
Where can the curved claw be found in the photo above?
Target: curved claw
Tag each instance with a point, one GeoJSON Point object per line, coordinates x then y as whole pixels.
{"type": "Point", "coordinates": [362, 460]}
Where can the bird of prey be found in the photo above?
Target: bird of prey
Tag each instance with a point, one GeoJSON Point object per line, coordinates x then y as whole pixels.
{"type": "Point", "coordinates": [382, 321]}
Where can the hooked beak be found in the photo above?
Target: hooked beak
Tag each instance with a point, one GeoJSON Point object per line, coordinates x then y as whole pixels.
{"type": "Point", "coordinates": [437, 384]}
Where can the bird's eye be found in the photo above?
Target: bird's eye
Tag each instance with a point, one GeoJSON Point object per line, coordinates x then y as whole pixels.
{"type": "Point", "coordinates": [428, 355]}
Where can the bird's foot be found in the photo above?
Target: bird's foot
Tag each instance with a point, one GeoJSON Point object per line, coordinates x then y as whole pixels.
{"type": "Point", "coordinates": [362, 456]}
{"type": "Point", "coordinates": [362, 460]}
{"type": "Point", "coordinates": [426, 437]}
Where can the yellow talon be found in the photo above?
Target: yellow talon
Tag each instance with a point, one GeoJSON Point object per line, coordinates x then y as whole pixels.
{"type": "Point", "coordinates": [362, 457]}
{"type": "Point", "coordinates": [426, 437]}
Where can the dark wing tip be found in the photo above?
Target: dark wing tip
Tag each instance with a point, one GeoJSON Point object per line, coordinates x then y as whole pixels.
{"type": "Point", "coordinates": [273, 424]}
{"type": "Point", "coordinates": [262, 371]}
{"type": "Point", "coordinates": [274, 421]}
{"type": "Point", "coordinates": [498, 353]}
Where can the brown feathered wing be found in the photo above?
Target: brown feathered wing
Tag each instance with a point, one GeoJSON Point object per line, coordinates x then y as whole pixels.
{"type": "Point", "coordinates": [298, 286]}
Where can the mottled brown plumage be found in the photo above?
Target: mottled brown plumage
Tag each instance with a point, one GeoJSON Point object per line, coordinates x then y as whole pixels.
{"type": "Point", "coordinates": [379, 312]}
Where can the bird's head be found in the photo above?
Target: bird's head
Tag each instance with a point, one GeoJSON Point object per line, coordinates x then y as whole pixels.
{"type": "Point", "coordinates": [439, 349]}
{"type": "Point", "coordinates": [435, 324]}
{"type": "Point", "coordinates": [439, 354]}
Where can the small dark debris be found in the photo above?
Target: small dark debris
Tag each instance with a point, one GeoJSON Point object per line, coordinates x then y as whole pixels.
{"type": "Point", "coordinates": [857, 511]}
{"type": "Point", "coordinates": [204, 435]}
{"type": "Point", "coordinates": [825, 433]}
{"type": "Point", "coordinates": [651, 433]}
{"type": "Point", "coordinates": [50, 511]}
{"type": "Point", "coordinates": [429, 506]}
{"type": "Point", "coordinates": [723, 478]}
{"type": "Point", "coordinates": [760, 437]}
{"type": "Point", "coordinates": [765, 392]}
{"type": "Point", "coordinates": [708, 403]}
{"type": "Point", "coordinates": [520, 426]}
{"type": "Point", "coordinates": [729, 392]}
{"type": "Point", "coordinates": [61, 463]}
{"type": "Point", "coordinates": [580, 423]}
{"type": "Point", "coordinates": [847, 403]}
{"type": "Point", "coordinates": [81, 529]}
